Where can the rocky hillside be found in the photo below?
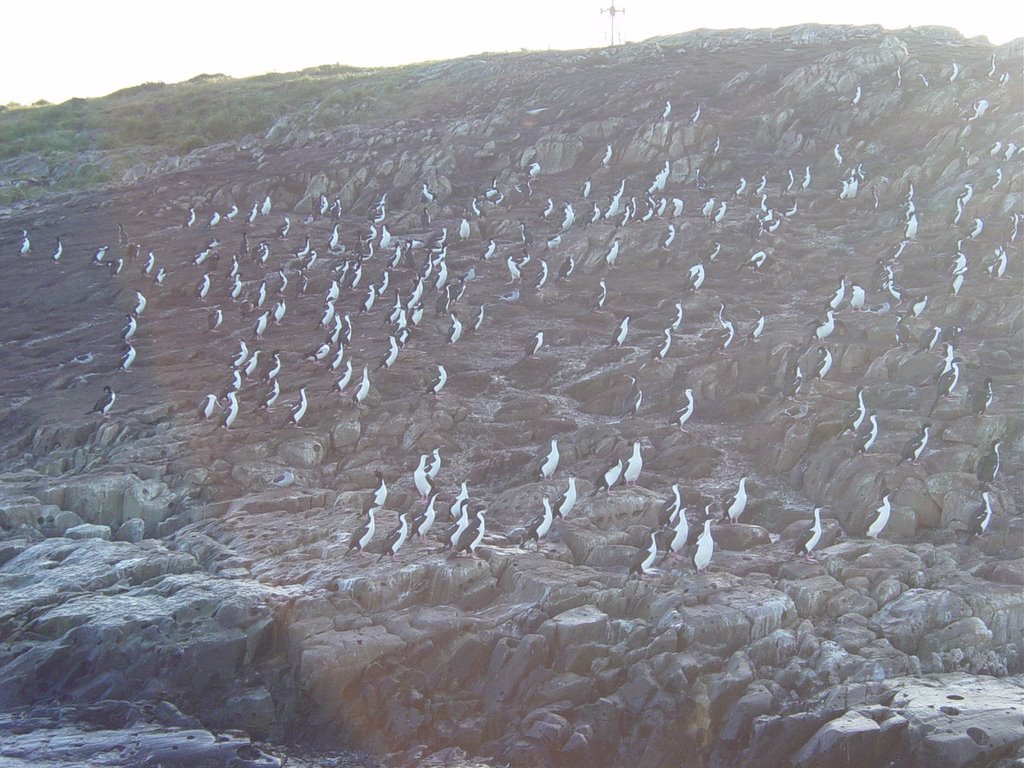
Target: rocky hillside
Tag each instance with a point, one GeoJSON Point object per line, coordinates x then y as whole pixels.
{"type": "Point", "coordinates": [585, 245]}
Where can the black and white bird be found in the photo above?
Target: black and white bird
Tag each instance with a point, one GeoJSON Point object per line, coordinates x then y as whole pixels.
{"type": "Point", "coordinates": [127, 358]}
{"type": "Point", "coordinates": [683, 414]}
{"type": "Point", "coordinates": [566, 502]}
{"type": "Point", "coordinates": [824, 364]}
{"type": "Point", "coordinates": [634, 399]}
{"type": "Point", "coordinates": [737, 503]}
{"type": "Point", "coordinates": [208, 406]}
{"type": "Point", "coordinates": [705, 549]}
{"type": "Point", "coordinates": [806, 542]}
{"type": "Point", "coordinates": [644, 560]}
{"type": "Point", "coordinates": [396, 538]}
{"type": "Point", "coordinates": [363, 389]}
{"type": "Point", "coordinates": [981, 518]}
{"type": "Point", "coordinates": [879, 519]}
{"type": "Point", "coordinates": [534, 344]}
{"type": "Point", "coordinates": [860, 412]}
{"type": "Point", "coordinates": [299, 409]}
{"type": "Point", "coordinates": [980, 397]}
{"type": "Point", "coordinates": [473, 535]}
{"type": "Point", "coordinates": [988, 465]}
{"type": "Point", "coordinates": [620, 334]}
{"type": "Point", "coordinates": [437, 382]}
{"type": "Point", "coordinates": [609, 477]}
{"type": "Point", "coordinates": [680, 535]}
{"type": "Point", "coordinates": [670, 508]}
{"type": "Point", "coordinates": [105, 403]}
{"type": "Point", "coordinates": [867, 434]}
{"type": "Point", "coordinates": [540, 525]}
{"type": "Point", "coordinates": [231, 411]}
{"type": "Point", "coordinates": [424, 521]}
{"type": "Point", "coordinates": [634, 465]}
{"type": "Point", "coordinates": [549, 464]}
{"type": "Point", "coordinates": [915, 446]}
{"type": "Point", "coordinates": [362, 535]}
{"type": "Point", "coordinates": [601, 296]}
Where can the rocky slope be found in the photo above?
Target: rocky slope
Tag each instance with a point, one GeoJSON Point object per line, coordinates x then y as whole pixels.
{"type": "Point", "coordinates": [150, 565]}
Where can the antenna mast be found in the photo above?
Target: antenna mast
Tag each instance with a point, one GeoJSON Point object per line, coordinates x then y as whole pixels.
{"type": "Point", "coordinates": [612, 11]}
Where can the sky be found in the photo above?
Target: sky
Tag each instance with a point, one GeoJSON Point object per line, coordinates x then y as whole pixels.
{"type": "Point", "coordinates": [57, 49]}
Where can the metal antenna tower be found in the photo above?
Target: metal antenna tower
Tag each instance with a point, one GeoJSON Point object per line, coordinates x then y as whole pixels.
{"type": "Point", "coordinates": [612, 11]}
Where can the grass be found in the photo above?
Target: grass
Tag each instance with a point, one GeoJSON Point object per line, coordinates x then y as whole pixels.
{"type": "Point", "coordinates": [172, 119]}
{"type": "Point", "coordinates": [157, 118]}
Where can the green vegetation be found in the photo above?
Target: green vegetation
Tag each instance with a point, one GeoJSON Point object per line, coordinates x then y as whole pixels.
{"type": "Point", "coordinates": [162, 119]}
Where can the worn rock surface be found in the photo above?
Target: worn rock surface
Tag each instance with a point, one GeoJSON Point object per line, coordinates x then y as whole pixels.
{"type": "Point", "coordinates": [150, 558]}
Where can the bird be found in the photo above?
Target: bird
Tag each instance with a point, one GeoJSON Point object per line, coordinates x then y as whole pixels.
{"type": "Point", "coordinates": [838, 294]}
{"type": "Point", "coordinates": [644, 559]}
{"type": "Point", "coordinates": [662, 349]}
{"type": "Point", "coordinates": [608, 478]}
{"type": "Point", "coordinates": [299, 409]}
{"type": "Point", "coordinates": [824, 329]}
{"type": "Point", "coordinates": [362, 535]}
{"type": "Point", "coordinates": [858, 414]}
{"type": "Point", "coordinates": [947, 382]}
{"type": "Point", "coordinates": [207, 406]}
{"type": "Point", "coordinates": [634, 399]}
{"type": "Point", "coordinates": [424, 521]}
{"type": "Point", "coordinates": [634, 464]}
{"type": "Point", "coordinates": [612, 254]}
{"type": "Point", "coordinates": [670, 508]}
{"type": "Point", "coordinates": [880, 517]}
{"type": "Point", "coordinates": [565, 503]}
{"type": "Point", "coordinates": [683, 414]}
{"type": "Point", "coordinates": [825, 364]}
{"type": "Point", "coordinates": [601, 296]}
{"type": "Point", "coordinates": [540, 525]}
{"type": "Point", "coordinates": [390, 355]}
{"type": "Point", "coordinates": [980, 397]}
{"type": "Point", "coordinates": [758, 329]}
{"type": "Point", "coordinates": [285, 479]}
{"type": "Point", "coordinates": [472, 536]}
{"type": "Point", "coordinates": [231, 412]}
{"type": "Point", "coordinates": [705, 548]}
{"type": "Point", "coordinates": [988, 465]}
{"type": "Point", "coordinates": [736, 503]}
{"type": "Point", "coordinates": [680, 535]}
{"type": "Point", "coordinates": [127, 358]}
{"type": "Point", "coordinates": [105, 403]}
{"type": "Point", "coordinates": [380, 492]}
{"type": "Point", "coordinates": [550, 462]}
{"type": "Point", "coordinates": [396, 538]}
{"type": "Point", "coordinates": [437, 382]}
{"type": "Point", "coordinates": [533, 346]}
{"type": "Point", "coordinates": [363, 389]}
{"type": "Point", "coordinates": [915, 446]}
{"type": "Point", "coordinates": [455, 330]}
{"type": "Point", "coordinates": [981, 518]}
{"type": "Point", "coordinates": [620, 334]}
{"type": "Point", "coordinates": [867, 434]}
{"type": "Point", "coordinates": [806, 543]}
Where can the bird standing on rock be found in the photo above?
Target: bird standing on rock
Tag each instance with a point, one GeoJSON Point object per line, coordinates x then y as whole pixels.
{"type": "Point", "coordinates": [806, 543]}
{"type": "Point", "coordinates": [736, 503]}
{"type": "Point", "coordinates": [550, 462]}
{"type": "Point", "coordinates": [105, 403]}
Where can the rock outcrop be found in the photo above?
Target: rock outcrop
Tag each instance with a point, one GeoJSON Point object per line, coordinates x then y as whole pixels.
{"type": "Point", "coordinates": [153, 563]}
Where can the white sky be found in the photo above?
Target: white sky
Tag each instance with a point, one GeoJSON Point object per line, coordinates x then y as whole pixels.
{"type": "Point", "coordinates": [56, 49]}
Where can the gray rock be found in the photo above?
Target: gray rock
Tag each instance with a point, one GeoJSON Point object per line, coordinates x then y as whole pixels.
{"type": "Point", "coordinates": [88, 531]}
{"type": "Point", "coordinates": [133, 530]}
